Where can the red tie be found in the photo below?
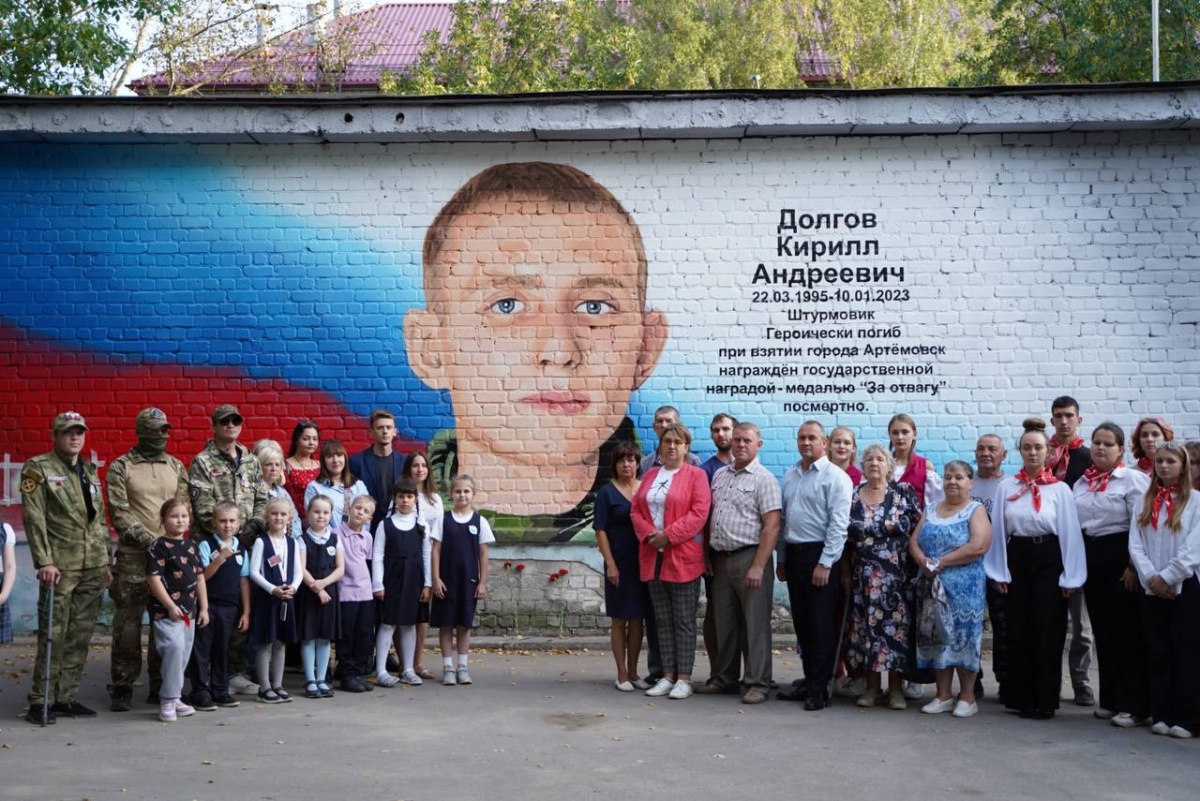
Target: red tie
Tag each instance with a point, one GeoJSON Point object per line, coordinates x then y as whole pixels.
{"type": "Point", "coordinates": [1060, 457]}
{"type": "Point", "coordinates": [1097, 481]}
{"type": "Point", "coordinates": [1031, 485]}
{"type": "Point", "coordinates": [1165, 495]}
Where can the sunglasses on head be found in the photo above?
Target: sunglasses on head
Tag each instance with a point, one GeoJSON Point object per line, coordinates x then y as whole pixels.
{"type": "Point", "coordinates": [231, 420]}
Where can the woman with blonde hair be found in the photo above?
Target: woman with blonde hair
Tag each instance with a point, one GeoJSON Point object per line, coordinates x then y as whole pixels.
{"type": "Point", "coordinates": [1164, 546]}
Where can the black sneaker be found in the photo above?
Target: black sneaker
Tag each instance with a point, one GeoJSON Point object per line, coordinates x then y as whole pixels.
{"type": "Point", "coordinates": [203, 701]}
{"type": "Point", "coordinates": [34, 715]}
{"type": "Point", "coordinates": [121, 700]}
{"type": "Point", "coordinates": [227, 701]}
{"type": "Point", "coordinates": [73, 709]}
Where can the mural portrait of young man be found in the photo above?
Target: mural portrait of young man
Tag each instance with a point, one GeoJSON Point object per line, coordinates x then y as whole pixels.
{"type": "Point", "coordinates": [536, 324]}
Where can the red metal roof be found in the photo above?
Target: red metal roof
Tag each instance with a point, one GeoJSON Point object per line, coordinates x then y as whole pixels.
{"type": "Point", "coordinates": [383, 38]}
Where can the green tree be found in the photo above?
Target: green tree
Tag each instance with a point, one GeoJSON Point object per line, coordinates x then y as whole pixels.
{"type": "Point", "coordinates": [65, 46]}
{"type": "Point", "coordinates": [881, 43]}
{"type": "Point", "coordinates": [1084, 41]}
{"type": "Point", "coordinates": [566, 45]}
{"type": "Point", "coordinates": [715, 44]}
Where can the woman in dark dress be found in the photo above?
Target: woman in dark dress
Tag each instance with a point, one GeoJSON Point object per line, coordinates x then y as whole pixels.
{"type": "Point", "coordinates": [624, 592]}
{"type": "Point", "coordinates": [882, 515]}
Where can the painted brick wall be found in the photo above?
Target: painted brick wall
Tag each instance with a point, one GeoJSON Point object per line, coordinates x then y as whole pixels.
{"type": "Point", "coordinates": [279, 277]}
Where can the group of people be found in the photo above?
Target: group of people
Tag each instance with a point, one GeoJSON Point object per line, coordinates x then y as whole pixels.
{"type": "Point", "coordinates": [891, 567]}
{"type": "Point", "coordinates": [231, 572]}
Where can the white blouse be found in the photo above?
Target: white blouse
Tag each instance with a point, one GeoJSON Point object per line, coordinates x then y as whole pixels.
{"type": "Point", "coordinates": [934, 491]}
{"type": "Point", "coordinates": [656, 498]}
{"type": "Point", "coordinates": [1173, 555]}
{"type": "Point", "coordinates": [1105, 513]}
{"type": "Point", "coordinates": [1018, 519]}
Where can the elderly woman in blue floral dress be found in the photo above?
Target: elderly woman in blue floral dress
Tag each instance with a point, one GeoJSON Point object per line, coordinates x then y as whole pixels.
{"type": "Point", "coordinates": [883, 514]}
{"type": "Point", "coordinates": [950, 543]}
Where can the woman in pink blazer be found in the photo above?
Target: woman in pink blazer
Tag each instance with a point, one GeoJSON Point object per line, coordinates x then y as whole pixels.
{"type": "Point", "coordinates": [669, 512]}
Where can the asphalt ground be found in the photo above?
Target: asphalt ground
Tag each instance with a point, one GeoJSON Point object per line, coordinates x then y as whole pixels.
{"type": "Point", "coordinates": [543, 721]}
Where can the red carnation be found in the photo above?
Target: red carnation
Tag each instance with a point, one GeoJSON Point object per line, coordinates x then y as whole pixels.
{"type": "Point", "coordinates": [520, 566]}
{"type": "Point", "coordinates": [563, 572]}
{"type": "Point", "coordinates": [507, 565]}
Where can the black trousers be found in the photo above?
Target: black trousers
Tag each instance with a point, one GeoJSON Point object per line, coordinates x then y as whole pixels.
{"type": "Point", "coordinates": [1172, 635]}
{"type": "Point", "coordinates": [209, 665]}
{"type": "Point", "coordinates": [997, 605]}
{"type": "Point", "coordinates": [814, 614]}
{"type": "Point", "coordinates": [1116, 626]}
{"type": "Point", "coordinates": [1037, 624]}
{"type": "Point", "coordinates": [357, 643]}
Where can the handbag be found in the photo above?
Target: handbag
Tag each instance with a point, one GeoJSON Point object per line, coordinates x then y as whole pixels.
{"type": "Point", "coordinates": [934, 625]}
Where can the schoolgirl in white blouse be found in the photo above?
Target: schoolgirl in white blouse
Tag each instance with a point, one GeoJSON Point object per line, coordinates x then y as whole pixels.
{"type": "Point", "coordinates": [1037, 560]}
{"type": "Point", "coordinates": [1107, 497]}
{"type": "Point", "coordinates": [1164, 546]}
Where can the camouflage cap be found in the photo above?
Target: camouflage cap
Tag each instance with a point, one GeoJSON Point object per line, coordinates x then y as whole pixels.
{"type": "Point", "coordinates": [68, 420]}
{"type": "Point", "coordinates": [224, 410]}
{"type": "Point", "coordinates": [151, 420]}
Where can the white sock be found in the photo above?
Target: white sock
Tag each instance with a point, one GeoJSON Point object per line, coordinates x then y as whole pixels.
{"type": "Point", "coordinates": [383, 641]}
{"type": "Point", "coordinates": [447, 663]}
{"type": "Point", "coordinates": [408, 644]}
{"type": "Point", "coordinates": [462, 661]}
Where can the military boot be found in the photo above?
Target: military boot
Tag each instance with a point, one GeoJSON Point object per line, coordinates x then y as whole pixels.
{"type": "Point", "coordinates": [121, 699]}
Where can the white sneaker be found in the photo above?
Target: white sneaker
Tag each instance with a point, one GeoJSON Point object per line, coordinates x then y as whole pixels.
{"type": "Point", "coordinates": [624, 686]}
{"type": "Point", "coordinates": [914, 691]}
{"type": "Point", "coordinates": [1103, 714]}
{"type": "Point", "coordinates": [1123, 720]}
{"type": "Point", "coordinates": [411, 678]}
{"type": "Point", "coordinates": [1160, 728]}
{"type": "Point", "coordinates": [240, 685]}
{"type": "Point", "coordinates": [448, 677]}
{"type": "Point", "coordinates": [464, 677]}
{"type": "Point", "coordinates": [182, 710]}
{"type": "Point", "coordinates": [1180, 733]}
{"type": "Point", "coordinates": [683, 689]}
{"type": "Point", "coordinates": [937, 707]}
{"type": "Point", "coordinates": [964, 710]}
{"type": "Point", "coordinates": [663, 687]}
{"type": "Point", "coordinates": [166, 711]}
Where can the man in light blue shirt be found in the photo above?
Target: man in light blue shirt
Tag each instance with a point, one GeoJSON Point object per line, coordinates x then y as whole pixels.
{"type": "Point", "coordinates": [816, 513]}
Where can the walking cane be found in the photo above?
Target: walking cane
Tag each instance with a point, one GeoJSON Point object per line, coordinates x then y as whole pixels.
{"type": "Point", "coordinates": [49, 643]}
{"type": "Point", "coordinates": [837, 652]}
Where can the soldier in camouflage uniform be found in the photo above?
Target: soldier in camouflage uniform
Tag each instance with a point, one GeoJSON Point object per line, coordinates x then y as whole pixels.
{"type": "Point", "coordinates": [63, 509]}
{"type": "Point", "coordinates": [139, 483]}
{"type": "Point", "coordinates": [226, 471]}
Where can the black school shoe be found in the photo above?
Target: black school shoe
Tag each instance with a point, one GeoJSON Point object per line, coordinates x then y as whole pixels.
{"type": "Point", "coordinates": [353, 685]}
{"type": "Point", "coordinates": [227, 701]}
{"type": "Point", "coordinates": [34, 715]}
{"type": "Point", "coordinates": [72, 709]}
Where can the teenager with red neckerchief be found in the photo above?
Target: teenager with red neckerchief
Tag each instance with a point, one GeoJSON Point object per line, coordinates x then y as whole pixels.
{"type": "Point", "coordinates": [1037, 559]}
{"type": "Point", "coordinates": [1164, 547]}
{"type": "Point", "coordinates": [1068, 460]}
{"type": "Point", "coordinates": [1107, 498]}
{"type": "Point", "coordinates": [1147, 435]}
